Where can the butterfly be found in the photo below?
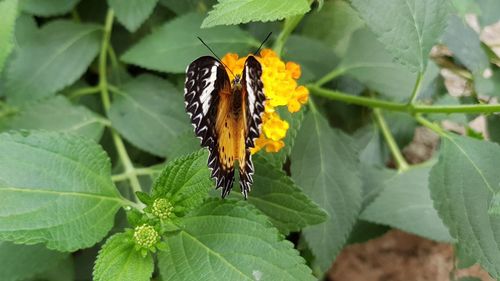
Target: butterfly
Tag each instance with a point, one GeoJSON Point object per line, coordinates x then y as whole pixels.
{"type": "Point", "coordinates": [226, 116]}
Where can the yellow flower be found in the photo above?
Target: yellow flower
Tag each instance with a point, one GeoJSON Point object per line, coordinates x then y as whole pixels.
{"type": "Point", "coordinates": [281, 89]}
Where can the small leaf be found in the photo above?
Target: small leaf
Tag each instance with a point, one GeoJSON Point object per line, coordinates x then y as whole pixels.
{"type": "Point", "coordinates": [408, 29]}
{"type": "Point", "coordinates": [405, 203]}
{"type": "Point", "coordinates": [132, 13]}
{"type": "Point", "coordinates": [152, 101]}
{"type": "Point", "coordinates": [47, 8]}
{"type": "Point", "coordinates": [230, 240]}
{"type": "Point", "coordinates": [236, 12]}
{"type": "Point", "coordinates": [325, 164]}
{"type": "Point", "coordinates": [8, 10]}
{"type": "Point", "coordinates": [186, 180]}
{"type": "Point", "coordinates": [174, 45]}
{"type": "Point", "coordinates": [58, 114]}
{"type": "Point", "coordinates": [55, 189]}
{"type": "Point", "coordinates": [56, 57]}
{"type": "Point", "coordinates": [462, 186]}
{"type": "Point", "coordinates": [20, 262]}
{"type": "Point", "coordinates": [276, 195]}
{"type": "Point", "coordinates": [118, 260]}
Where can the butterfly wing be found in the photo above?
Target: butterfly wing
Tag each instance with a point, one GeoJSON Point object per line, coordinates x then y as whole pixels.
{"type": "Point", "coordinates": [206, 94]}
{"type": "Point", "coordinates": [254, 100]}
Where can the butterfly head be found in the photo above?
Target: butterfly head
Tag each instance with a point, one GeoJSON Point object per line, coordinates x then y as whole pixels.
{"type": "Point", "coordinates": [237, 82]}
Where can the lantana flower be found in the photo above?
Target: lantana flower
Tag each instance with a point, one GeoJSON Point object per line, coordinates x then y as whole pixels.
{"type": "Point", "coordinates": [281, 89]}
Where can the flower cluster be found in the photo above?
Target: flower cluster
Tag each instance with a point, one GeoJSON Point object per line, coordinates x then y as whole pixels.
{"type": "Point", "coordinates": [281, 89]}
{"type": "Point", "coordinates": [162, 209]}
{"type": "Point", "coordinates": [146, 236]}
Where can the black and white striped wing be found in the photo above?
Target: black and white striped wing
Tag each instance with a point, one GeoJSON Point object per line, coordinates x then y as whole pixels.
{"type": "Point", "coordinates": [255, 100]}
{"type": "Point", "coordinates": [205, 79]}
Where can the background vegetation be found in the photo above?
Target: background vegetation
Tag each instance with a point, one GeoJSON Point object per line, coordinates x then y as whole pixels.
{"type": "Point", "coordinates": [101, 176]}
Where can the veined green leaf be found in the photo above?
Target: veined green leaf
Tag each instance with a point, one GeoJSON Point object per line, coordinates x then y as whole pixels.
{"type": "Point", "coordinates": [149, 112]}
{"type": "Point", "coordinates": [236, 12]}
{"type": "Point", "coordinates": [173, 46]}
{"type": "Point", "coordinates": [325, 164]}
{"type": "Point", "coordinates": [405, 203]}
{"type": "Point", "coordinates": [47, 7]}
{"type": "Point", "coordinates": [186, 179]}
{"type": "Point", "coordinates": [462, 186]}
{"type": "Point", "coordinates": [408, 29]}
{"type": "Point", "coordinates": [132, 13]}
{"type": "Point", "coordinates": [56, 57]}
{"type": "Point", "coordinates": [230, 240]}
{"type": "Point", "coordinates": [55, 189]}
{"type": "Point", "coordinates": [118, 260]}
{"type": "Point", "coordinates": [20, 262]}
{"type": "Point", "coordinates": [8, 12]}
{"type": "Point", "coordinates": [58, 114]}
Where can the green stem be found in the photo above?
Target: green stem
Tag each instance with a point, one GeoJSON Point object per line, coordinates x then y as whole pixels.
{"type": "Point", "coordinates": [290, 24]}
{"type": "Point", "coordinates": [84, 91]}
{"type": "Point", "coordinates": [391, 142]}
{"type": "Point", "coordinates": [402, 107]}
{"type": "Point", "coordinates": [106, 102]}
{"type": "Point", "coordinates": [416, 88]}
{"type": "Point", "coordinates": [433, 126]}
{"type": "Point", "coordinates": [330, 76]}
{"type": "Point", "coordinates": [137, 172]}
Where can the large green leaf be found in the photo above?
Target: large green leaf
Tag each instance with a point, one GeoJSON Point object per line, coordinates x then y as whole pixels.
{"type": "Point", "coordinates": [405, 203]}
{"type": "Point", "coordinates": [462, 186]}
{"type": "Point", "coordinates": [8, 12]}
{"type": "Point", "coordinates": [230, 240]}
{"type": "Point", "coordinates": [56, 57]}
{"type": "Point", "coordinates": [488, 13]}
{"type": "Point", "coordinates": [325, 165]}
{"type": "Point", "coordinates": [149, 112]}
{"type": "Point", "coordinates": [186, 179]}
{"type": "Point", "coordinates": [55, 189]}
{"type": "Point", "coordinates": [277, 196]}
{"type": "Point", "coordinates": [58, 114]}
{"type": "Point", "coordinates": [20, 262]}
{"type": "Point", "coordinates": [368, 61]}
{"type": "Point", "coordinates": [408, 29]}
{"type": "Point", "coordinates": [118, 260]}
{"type": "Point", "coordinates": [47, 7]}
{"type": "Point", "coordinates": [174, 45]}
{"type": "Point", "coordinates": [236, 11]}
{"type": "Point", "coordinates": [132, 13]}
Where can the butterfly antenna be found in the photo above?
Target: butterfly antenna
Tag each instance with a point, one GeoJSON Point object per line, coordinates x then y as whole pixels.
{"type": "Point", "coordinates": [262, 44]}
{"type": "Point", "coordinates": [201, 40]}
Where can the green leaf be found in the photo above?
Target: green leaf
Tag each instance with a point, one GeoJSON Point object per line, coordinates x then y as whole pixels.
{"type": "Point", "coordinates": [56, 57]}
{"type": "Point", "coordinates": [464, 7]}
{"type": "Point", "coordinates": [464, 42]}
{"type": "Point", "coordinates": [230, 240]}
{"type": "Point", "coordinates": [325, 165]}
{"type": "Point", "coordinates": [462, 186]}
{"type": "Point", "coordinates": [374, 181]}
{"type": "Point", "coordinates": [185, 143]}
{"type": "Point", "coordinates": [8, 10]}
{"type": "Point", "coordinates": [47, 7]}
{"type": "Point", "coordinates": [118, 260]}
{"type": "Point", "coordinates": [408, 29]}
{"type": "Point", "coordinates": [132, 13]}
{"type": "Point", "coordinates": [469, 279]}
{"type": "Point", "coordinates": [58, 114]}
{"type": "Point", "coordinates": [277, 196]}
{"type": "Point", "coordinates": [149, 112]}
{"type": "Point", "coordinates": [174, 45]}
{"type": "Point", "coordinates": [333, 24]}
{"type": "Point", "coordinates": [55, 189]}
{"type": "Point", "coordinates": [368, 61]}
{"type": "Point", "coordinates": [405, 203]}
{"type": "Point", "coordinates": [186, 6]}
{"type": "Point", "coordinates": [236, 12]}
{"type": "Point", "coordinates": [63, 271]}
{"type": "Point", "coordinates": [488, 11]}
{"type": "Point", "coordinates": [186, 179]}
{"type": "Point", "coordinates": [20, 262]}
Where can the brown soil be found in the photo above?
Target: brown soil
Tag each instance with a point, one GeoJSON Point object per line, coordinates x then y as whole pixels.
{"type": "Point", "coordinates": [399, 256]}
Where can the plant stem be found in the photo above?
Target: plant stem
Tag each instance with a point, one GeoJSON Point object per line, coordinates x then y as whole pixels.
{"type": "Point", "coordinates": [106, 102]}
{"type": "Point", "coordinates": [416, 88]}
{"type": "Point", "coordinates": [402, 107]}
{"type": "Point", "coordinates": [436, 128]}
{"type": "Point", "coordinates": [391, 142]}
{"type": "Point", "coordinates": [137, 171]}
{"type": "Point", "coordinates": [84, 91]}
{"type": "Point", "coordinates": [290, 24]}
{"type": "Point", "coordinates": [330, 76]}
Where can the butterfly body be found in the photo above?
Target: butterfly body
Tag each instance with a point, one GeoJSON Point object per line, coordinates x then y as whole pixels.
{"type": "Point", "coordinates": [226, 116]}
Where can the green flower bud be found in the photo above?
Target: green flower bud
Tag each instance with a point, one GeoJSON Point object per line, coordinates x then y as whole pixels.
{"type": "Point", "coordinates": [146, 236]}
{"type": "Point", "coordinates": [162, 209]}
